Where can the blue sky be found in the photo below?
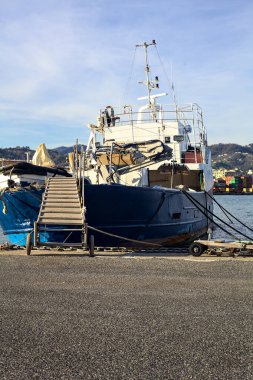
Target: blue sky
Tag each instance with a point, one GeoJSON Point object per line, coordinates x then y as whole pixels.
{"type": "Point", "coordinates": [63, 60]}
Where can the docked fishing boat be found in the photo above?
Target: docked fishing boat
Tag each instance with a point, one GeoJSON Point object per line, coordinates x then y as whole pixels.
{"type": "Point", "coordinates": [148, 173]}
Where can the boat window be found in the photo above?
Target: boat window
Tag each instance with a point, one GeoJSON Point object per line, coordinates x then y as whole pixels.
{"type": "Point", "coordinates": [176, 215]}
{"type": "Point", "coordinates": [178, 138]}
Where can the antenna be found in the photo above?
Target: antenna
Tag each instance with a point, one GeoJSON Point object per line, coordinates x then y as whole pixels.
{"type": "Point", "coordinates": [148, 83]}
{"type": "Point", "coordinates": [172, 84]}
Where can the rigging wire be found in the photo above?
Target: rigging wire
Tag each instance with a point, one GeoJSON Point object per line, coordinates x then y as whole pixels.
{"type": "Point", "coordinates": [129, 78]}
{"type": "Point", "coordinates": [166, 76]}
{"type": "Point", "coordinates": [171, 86]}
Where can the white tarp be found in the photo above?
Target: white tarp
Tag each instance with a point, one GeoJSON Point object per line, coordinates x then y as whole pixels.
{"type": "Point", "coordinates": [41, 157]}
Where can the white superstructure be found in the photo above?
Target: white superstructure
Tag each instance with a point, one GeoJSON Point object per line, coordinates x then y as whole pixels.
{"type": "Point", "coordinates": [180, 128]}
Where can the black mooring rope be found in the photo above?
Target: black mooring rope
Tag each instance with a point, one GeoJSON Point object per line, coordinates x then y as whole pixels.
{"type": "Point", "coordinates": [229, 213]}
{"type": "Point", "coordinates": [123, 238]}
{"type": "Point", "coordinates": [206, 212]}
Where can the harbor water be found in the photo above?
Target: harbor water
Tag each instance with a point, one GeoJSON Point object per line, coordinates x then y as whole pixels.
{"type": "Point", "coordinates": [241, 206]}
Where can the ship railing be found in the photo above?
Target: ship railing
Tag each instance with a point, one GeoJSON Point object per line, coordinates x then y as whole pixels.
{"type": "Point", "coordinates": [190, 114]}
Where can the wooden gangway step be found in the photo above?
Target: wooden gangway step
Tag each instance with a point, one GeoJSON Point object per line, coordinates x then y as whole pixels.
{"type": "Point", "coordinates": [65, 200]}
{"type": "Point", "coordinates": [60, 222]}
{"type": "Point", "coordinates": [61, 203]}
{"type": "Point", "coordinates": [59, 186]}
{"type": "Point", "coordinates": [61, 193]}
{"type": "Point", "coordinates": [72, 209]}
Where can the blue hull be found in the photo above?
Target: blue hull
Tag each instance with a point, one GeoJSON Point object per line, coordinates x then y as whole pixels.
{"type": "Point", "coordinates": [150, 215]}
{"type": "Point", "coordinates": [160, 216]}
{"type": "Point", "coordinates": [18, 211]}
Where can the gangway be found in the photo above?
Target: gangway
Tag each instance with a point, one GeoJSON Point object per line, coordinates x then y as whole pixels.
{"type": "Point", "coordinates": [61, 219]}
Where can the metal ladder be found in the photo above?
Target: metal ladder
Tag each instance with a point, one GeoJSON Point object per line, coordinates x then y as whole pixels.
{"type": "Point", "coordinates": [61, 211]}
{"type": "Point", "coordinates": [61, 203]}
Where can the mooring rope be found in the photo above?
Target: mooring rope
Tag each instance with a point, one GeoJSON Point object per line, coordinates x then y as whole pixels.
{"type": "Point", "coordinates": [229, 213]}
{"type": "Point", "coordinates": [206, 212]}
{"type": "Point", "coordinates": [122, 237]}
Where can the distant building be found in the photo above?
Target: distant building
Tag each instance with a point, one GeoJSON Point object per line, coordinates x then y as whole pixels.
{"type": "Point", "coordinates": [219, 173]}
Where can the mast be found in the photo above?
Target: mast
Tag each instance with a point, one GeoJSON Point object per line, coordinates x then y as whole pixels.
{"type": "Point", "coordinates": [148, 83]}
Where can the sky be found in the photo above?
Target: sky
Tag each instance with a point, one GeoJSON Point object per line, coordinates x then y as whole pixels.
{"type": "Point", "coordinates": [61, 61]}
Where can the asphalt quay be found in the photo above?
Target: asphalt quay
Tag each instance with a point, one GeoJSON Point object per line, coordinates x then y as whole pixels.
{"type": "Point", "coordinates": [125, 315]}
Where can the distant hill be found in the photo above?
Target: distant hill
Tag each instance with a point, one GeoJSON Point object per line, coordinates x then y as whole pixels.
{"type": "Point", "coordinates": [231, 156]}
{"type": "Point", "coordinates": [228, 156]}
{"type": "Point", "coordinates": [59, 155]}
{"type": "Point", "coordinates": [17, 153]}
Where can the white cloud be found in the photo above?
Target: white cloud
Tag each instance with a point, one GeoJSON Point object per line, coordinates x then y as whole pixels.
{"type": "Point", "coordinates": [62, 60]}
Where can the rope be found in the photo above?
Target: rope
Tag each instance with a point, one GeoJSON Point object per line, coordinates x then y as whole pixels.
{"type": "Point", "coordinates": [227, 212]}
{"type": "Point", "coordinates": [122, 237]}
{"type": "Point", "coordinates": [221, 207]}
{"type": "Point", "coordinates": [208, 217]}
{"type": "Point", "coordinates": [163, 196]}
{"type": "Point", "coordinates": [206, 212]}
{"type": "Point", "coordinates": [166, 76]}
